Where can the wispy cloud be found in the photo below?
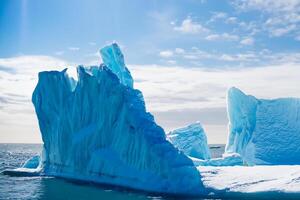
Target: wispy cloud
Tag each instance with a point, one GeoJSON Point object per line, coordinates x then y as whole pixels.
{"type": "Point", "coordinates": [166, 54]}
{"type": "Point", "coordinates": [189, 26]}
{"type": "Point", "coordinates": [222, 37]}
{"type": "Point", "coordinates": [280, 17]}
{"type": "Point", "coordinates": [7, 69]}
{"type": "Point", "coordinates": [247, 41]}
{"type": "Point", "coordinates": [217, 16]}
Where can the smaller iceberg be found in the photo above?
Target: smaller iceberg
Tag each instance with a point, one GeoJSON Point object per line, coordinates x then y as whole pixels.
{"type": "Point", "coordinates": [263, 131]}
{"type": "Point", "coordinates": [191, 140]}
{"type": "Point", "coordinates": [233, 159]}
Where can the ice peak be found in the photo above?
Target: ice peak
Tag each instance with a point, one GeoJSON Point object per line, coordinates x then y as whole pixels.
{"type": "Point", "coordinates": [113, 58]}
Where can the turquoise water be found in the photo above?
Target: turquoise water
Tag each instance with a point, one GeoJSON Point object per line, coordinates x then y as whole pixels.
{"type": "Point", "coordinates": [13, 156]}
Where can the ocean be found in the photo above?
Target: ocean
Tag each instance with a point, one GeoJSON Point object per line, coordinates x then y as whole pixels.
{"type": "Point", "coordinates": [33, 188]}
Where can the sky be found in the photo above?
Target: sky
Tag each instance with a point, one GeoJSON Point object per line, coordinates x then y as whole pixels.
{"type": "Point", "coordinates": [183, 55]}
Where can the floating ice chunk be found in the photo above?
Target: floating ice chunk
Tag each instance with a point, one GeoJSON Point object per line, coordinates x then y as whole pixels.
{"type": "Point", "coordinates": [113, 58]}
{"type": "Point", "coordinates": [264, 131]}
{"type": "Point", "coordinates": [191, 140]}
{"type": "Point", "coordinates": [32, 163]}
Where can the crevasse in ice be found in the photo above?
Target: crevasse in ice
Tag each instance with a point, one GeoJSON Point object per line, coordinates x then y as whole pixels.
{"type": "Point", "coordinates": [191, 140]}
{"type": "Point", "coordinates": [98, 130]}
{"type": "Point", "coordinates": [264, 131]}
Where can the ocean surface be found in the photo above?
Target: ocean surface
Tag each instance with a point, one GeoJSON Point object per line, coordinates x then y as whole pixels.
{"type": "Point", "coordinates": [14, 155]}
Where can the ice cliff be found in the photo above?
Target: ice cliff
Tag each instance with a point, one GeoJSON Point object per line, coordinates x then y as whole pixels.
{"type": "Point", "coordinates": [264, 131]}
{"type": "Point", "coordinates": [97, 129]}
{"type": "Point", "coordinates": [191, 140]}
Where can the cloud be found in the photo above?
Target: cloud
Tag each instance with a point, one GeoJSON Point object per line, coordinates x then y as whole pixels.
{"type": "Point", "coordinates": [217, 15]}
{"type": "Point", "coordinates": [166, 54]}
{"type": "Point", "coordinates": [268, 5]}
{"type": "Point", "coordinates": [280, 17]}
{"type": "Point", "coordinates": [277, 32]}
{"type": "Point", "coordinates": [17, 116]}
{"type": "Point", "coordinates": [222, 37]}
{"type": "Point", "coordinates": [7, 69]}
{"type": "Point", "coordinates": [73, 48]}
{"type": "Point", "coordinates": [193, 94]}
{"type": "Point", "coordinates": [197, 57]}
{"type": "Point", "coordinates": [247, 41]}
{"type": "Point", "coordinates": [179, 50]}
{"type": "Point", "coordinates": [30, 63]}
{"type": "Point", "coordinates": [231, 20]}
{"type": "Point", "coordinates": [188, 26]}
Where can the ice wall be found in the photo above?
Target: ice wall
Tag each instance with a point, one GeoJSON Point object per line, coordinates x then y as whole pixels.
{"type": "Point", "coordinates": [264, 131]}
{"type": "Point", "coordinates": [98, 130]}
{"type": "Point", "coordinates": [191, 140]}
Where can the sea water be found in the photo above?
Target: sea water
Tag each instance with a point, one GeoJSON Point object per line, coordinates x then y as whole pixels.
{"type": "Point", "coordinates": [13, 156]}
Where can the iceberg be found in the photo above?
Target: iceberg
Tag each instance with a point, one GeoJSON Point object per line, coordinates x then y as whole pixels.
{"type": "Point", "coordinates": [97, 129]}
{"type": "Point", "coordinates": [263, 132]}
{"type": "Point", "coordinates": [233, 159]}
{"type": "Point", "coordinates": [191, 140]}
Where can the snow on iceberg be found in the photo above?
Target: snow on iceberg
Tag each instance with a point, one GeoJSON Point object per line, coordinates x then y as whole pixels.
{"type": "Point", "coordinates": [264, 131]}
{"type": "Point", "coordinates": [191, 140]}
{"type": "Point", "coordinates": [98, 130]}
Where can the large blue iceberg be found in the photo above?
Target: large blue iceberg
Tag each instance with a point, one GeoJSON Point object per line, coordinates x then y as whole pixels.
{"type": "Point", "coordinates": [264, 131]}
{"type": "Point", "coordinates": [97, 129]}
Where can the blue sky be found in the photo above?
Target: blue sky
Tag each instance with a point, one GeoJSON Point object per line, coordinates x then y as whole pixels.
{"type": "Point", "coordinates": [183, 54]}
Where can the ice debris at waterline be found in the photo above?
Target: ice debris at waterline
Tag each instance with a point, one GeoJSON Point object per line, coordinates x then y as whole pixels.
{"type": "Point", "coordinates": [98, 130]}
{"type": "Point", "coordinates": [264, 131]}
{"type": "Point", "coordinates": [191, 140]}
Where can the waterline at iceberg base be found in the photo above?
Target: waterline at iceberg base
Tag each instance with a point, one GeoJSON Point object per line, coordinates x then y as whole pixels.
{"type": "Point", "coordinates": [97, 130]}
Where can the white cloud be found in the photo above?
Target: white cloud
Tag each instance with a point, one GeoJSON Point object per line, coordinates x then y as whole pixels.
{"type": "Point", "coordinates": [191, 84]}
{"type": "Point", "coordinates": [74, 48]}
{"type": "Point", "coordinates": [190, 27]}
{"type": "Point", "coordinates": [281, 17]}
{"type": "Point", "coordinates": [217, 15]}
{"type": "Point", "coordinates": [277, 32]}
{"type": "Point", "coordinates": [166, 54]}
{"type": "Point", "coordinates": [268, 5]}
{"type": "Point", "coordinates": [222, 37]}
{"type": "Point", "coordinates": [17, 116]}
{"type": "Point", "coordinates": [179, 50]}
{"type": "Point", "coordinates": [247, 41]}
{"type": "Point", "coordinates": [231, 20]}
